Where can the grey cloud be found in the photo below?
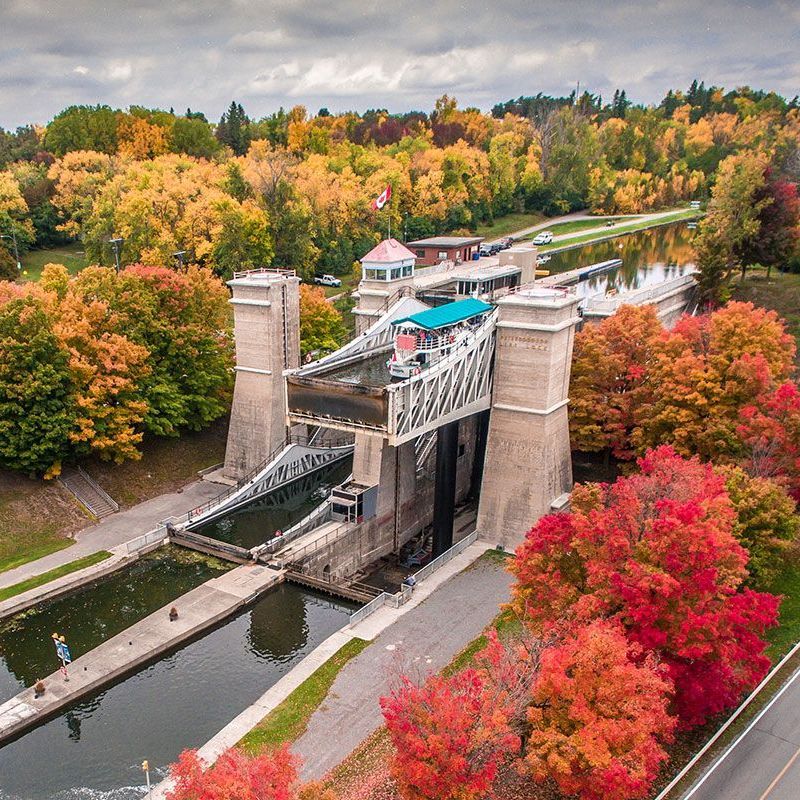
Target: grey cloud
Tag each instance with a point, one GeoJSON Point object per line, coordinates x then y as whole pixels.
{"type": "Point", "coordinates": [364, 53]}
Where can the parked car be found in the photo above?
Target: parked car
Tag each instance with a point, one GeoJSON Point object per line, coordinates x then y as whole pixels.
{"type": "Point", "coordinates": [327, 280]}
{"type": "Point", "coordinates": [545, 237]}
{"type": "Point", "coordinates": [485, 250]}
{"type": "Point", "coordinates": [506, 242]}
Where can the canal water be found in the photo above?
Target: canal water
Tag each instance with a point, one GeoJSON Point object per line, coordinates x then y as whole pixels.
{"type": "Point", "coordinates": [96, 613]}
{"type": "Point", "coordinates": [256, 523]}
{"type": "Point", "coordinates": [94, 750]}
{"type": "Point", "coordinates": [648, 257]}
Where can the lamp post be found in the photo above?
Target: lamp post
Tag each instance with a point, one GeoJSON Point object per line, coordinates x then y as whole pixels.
{"type": "Point", "coordinates": [179, 258]}
{"type": "Point", "coordinates": [116, 243]}
{"type": "Point", "coordinates": [405, 227]}
{"type": "Point", "coordinates": [146, 770]}
{"type": "Point", "coordinates": [13, 237]}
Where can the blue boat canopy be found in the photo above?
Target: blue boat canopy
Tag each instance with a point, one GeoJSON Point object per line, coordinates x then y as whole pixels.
{"type": "Point", "coordinates": [448, 314]}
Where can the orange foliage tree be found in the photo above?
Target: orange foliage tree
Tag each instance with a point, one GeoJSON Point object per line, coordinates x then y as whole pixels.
{"type": "Point", "coordinates": [708, 370]}
{"type": "Point", "coordinates": [599, 716]}
{"type": "Point", "coordinates": [609, 381]}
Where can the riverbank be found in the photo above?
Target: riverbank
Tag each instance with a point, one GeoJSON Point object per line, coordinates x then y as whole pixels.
{"type": "Point", "coordinates": [602, 234]}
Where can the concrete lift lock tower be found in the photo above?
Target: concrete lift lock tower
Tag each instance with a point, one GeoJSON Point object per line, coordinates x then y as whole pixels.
{"type": "Point", "coordinates": [266, 305]}
{"type": "Point", "coordinates": [528, 469]}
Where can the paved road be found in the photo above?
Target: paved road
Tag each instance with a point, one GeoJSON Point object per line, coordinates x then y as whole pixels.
{"type": "Point", "coordinates": [118, 528]}
{"type": "Point", "coordinates": [422, 641]}
{"type": "Point", "coordinates": [764, 764]}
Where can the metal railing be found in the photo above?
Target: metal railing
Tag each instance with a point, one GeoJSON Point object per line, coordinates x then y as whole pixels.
{"type": "Point", "coordinates": [318, 517]}
{"type": "Point", "coordinates": [282, 273]}
{"type": "Point", "coordinates": [254, 473]}
{"type": "Point", "coordinates": [145, 540]}
{"type": "Point", "coordinates": [404, 595]}
{"type": "Point", "coordinates": [369, 608]}
{"type": "Point", "coordinates": [309, 549]}
{"type": "Point", "coordinates": [638, 297]}
{"type": "Point", "coordinates": [448, 555]}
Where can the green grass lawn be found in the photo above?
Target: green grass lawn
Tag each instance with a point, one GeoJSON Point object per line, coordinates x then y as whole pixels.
{"type": "Point", "coordinates": [503, 226]}
{"type": "Point", "coordinates": [781, 293]}
{"type": "Point", "coordinates": [72, 256]}
{"type": "Point", "coordinates": [51, 575]}
{"type": "Point", "coordinates": [349, 282]}
{"type": "Point", "coordinates": [289, 719]}
{"type": "Point", "coordinates": [787, 633]}
{"type": "Point", "coordinates": [37, 544]}
{"type": "Point", "coordinates": [36, 518]}
{"type": "Point", "coordinates": [622, 228]}
{"type": "Point", "coordinates": [572, 226]}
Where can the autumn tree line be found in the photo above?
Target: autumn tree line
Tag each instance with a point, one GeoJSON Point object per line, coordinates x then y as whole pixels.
{"type": "Point", "coordinates": [294, 189]}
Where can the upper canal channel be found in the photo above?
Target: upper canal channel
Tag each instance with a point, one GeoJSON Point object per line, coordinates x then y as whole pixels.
{"type": "Point", "coordinates": [94, 749]}
{"type": "Point", "coordinates": [648, 257]}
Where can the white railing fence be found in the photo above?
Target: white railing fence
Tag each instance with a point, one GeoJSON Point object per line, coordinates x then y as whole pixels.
{"type": "Point", "coordinates": [448, 555]}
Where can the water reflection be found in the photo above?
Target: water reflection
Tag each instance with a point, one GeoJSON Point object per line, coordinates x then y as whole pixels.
{"type": "Point", "coordinates": [96, 613]}
{"type": "Point", "coordinates": [648, 257]}
{"type": "Point", "coordinates": [255, 523]}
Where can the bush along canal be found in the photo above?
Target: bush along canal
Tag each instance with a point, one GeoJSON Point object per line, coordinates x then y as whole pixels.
{"type": "Point", "coordinates": [97, 612]}
{"type": "Point", "coordinates": [256, 522]}
{"type": "Point", "coordinates": [95, 748]}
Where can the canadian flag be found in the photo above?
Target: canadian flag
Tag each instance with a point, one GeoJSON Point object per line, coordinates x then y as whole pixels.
{"type": "Point", "coordinates": [383, 198]}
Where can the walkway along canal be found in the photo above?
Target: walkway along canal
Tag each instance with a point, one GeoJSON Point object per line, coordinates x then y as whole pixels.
{"type": "Point", "coordinates": [95, 748]}
{"type": "Point", "coordinates": [96, 613]}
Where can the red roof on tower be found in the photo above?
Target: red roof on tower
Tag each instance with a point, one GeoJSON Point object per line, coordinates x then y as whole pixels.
{"type": "Point", "coordinates": [387, 252]}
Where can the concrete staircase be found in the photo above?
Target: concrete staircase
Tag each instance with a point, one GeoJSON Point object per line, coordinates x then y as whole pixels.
{"type": "Point", "coordinates": [87, 492]}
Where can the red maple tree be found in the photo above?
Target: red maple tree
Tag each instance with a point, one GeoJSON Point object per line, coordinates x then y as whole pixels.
{"type": "Point", "coordinates": [655, 552]}
{"type": "Point", "coordinates": [271, 776]}
{"type": "Point", "coordinates": [771, 433]}
{"type": "Point", "coordinates": [450, 737]}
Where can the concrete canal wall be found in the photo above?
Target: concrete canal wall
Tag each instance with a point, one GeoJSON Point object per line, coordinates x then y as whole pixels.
{"type": "Point", "coordinates": [149, 638]}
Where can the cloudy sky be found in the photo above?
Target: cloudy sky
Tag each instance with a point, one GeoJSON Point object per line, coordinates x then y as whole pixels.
{"type": "Point", "coordinates": [357, 54]}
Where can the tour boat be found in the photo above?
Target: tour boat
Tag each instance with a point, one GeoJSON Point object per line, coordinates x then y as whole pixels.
{"type": "Point", "coordinates": [425, 338]}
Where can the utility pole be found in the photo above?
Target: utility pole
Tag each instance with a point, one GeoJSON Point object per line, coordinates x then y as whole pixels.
{"type": "Point", "coordinates": [116, 244]}
{"type": "Point", "coordinates": [13, 237]}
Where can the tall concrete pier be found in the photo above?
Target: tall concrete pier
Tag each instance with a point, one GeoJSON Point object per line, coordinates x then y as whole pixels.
{"type": "Point", "coordinates": [266, 306]}
{"type": "Point", "coordinates": [528, 465]}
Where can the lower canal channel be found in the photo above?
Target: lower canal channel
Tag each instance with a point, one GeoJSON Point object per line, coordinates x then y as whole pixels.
{"type": "Point", "coordinates": [94, 749]}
